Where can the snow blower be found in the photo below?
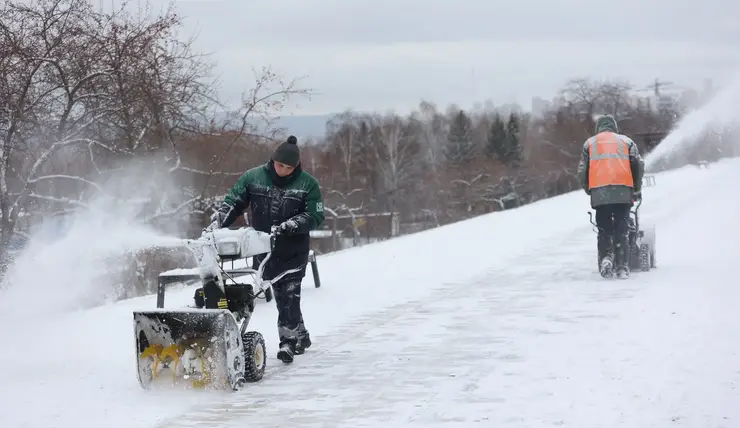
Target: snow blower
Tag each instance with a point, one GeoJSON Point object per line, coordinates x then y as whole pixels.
{"type": "Point", "coordinates": [641, 241]}
{"type": "Point", "coordinates": [207, 345]}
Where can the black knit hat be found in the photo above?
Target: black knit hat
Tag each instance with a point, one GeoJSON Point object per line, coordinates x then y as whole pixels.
{"type": "Point", "coordinates": [288, 152]}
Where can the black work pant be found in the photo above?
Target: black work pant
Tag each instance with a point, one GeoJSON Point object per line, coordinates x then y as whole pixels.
{"type": "Point", "coordinates": [287, 295]}
{"type": "Point", "coordinates": [612, 221]}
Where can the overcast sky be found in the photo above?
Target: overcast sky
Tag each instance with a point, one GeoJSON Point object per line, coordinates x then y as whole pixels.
{"type": "Point", "coordinates": [390, 54]}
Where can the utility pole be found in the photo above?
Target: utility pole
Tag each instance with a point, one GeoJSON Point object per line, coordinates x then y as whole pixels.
{"type": "Point", "coordinates": [657, 85]}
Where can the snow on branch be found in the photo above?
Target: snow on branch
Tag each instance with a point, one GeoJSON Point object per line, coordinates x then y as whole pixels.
{"type": "Point", "coordinates": [59, 200]}
{"type": "Point", "coordinates": [342, 194]}
{"type": "Point", "coordinates": [174, 211]}
{"type": "Point", "coordinates": [201, 172]}
{"type": "Point", "coordinates": [66, 177]}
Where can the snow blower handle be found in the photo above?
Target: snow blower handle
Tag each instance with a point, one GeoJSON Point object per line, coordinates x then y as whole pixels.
{"type": "Point", "coordinates": [211, 227]}
{"type": "Point", "coordinates": [274, 232]}
{"type": "Point", "coordinates": [595, 227]}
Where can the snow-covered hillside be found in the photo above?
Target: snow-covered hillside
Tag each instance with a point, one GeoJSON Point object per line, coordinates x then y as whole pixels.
{"type": "Point", "coordinates": [497, 321]}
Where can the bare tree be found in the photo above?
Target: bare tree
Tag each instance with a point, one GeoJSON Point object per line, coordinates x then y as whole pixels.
{"type": "Point", "coordinates": [252, 122]}
{"type": "Point", "coordinates": [433, 131]}
{"type": "Point", "coordinates": [83, 93]}
{"type": "Point", "coordinates": [344, 135]}
{"type": "Point", "coordinates": [395, 149]}
{"type": "Point", "coordinates": [343, 204]}
{"type": "Point", "coordinates": [50, 101]}
{"type": "Point", "coordinates": [615, 98]}
{"type": "Point", "coordinates": [584, 94]}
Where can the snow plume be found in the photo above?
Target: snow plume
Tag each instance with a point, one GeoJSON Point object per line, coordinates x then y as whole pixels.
{"type": "Point", "coordinates": [78, 264]}
{"type": "Point", "coordinates": [706, 134]}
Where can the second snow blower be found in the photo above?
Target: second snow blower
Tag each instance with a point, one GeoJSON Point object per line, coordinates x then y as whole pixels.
{"type": "Point", "coordinates": [208, 345]}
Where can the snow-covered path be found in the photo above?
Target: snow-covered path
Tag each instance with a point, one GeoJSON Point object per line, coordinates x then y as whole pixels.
{"type": "Point", "coordinates": [513, 328]}
{"type": "Point", "coordinates": [547, 343]}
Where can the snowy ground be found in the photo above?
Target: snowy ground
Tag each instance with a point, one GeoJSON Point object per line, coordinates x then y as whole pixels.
{"type": "Point", "coordinates": [512, 328]}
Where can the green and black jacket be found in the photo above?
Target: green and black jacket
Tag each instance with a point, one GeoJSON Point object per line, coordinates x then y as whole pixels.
{"type": "Point", "coordinates": [273, 200]}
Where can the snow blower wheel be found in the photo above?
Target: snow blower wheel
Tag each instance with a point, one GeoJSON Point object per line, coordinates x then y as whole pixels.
{"type": "Point", "coordinates": [255, 353]}
{"type": "Point", "coordinates": [641, 242]}
{"type": "Point", "coordinates": [645, 263]}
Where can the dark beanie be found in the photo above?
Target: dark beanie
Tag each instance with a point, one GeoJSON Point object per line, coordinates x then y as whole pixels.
{"type": "Point", "coordinates": [288, 152]}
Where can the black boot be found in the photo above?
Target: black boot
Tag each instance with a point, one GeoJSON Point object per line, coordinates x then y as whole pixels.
{"type": "Point", "coordinates": [286, 353]}
{"type": "Point", "coordinates": [622, 257]}
{"type": "Point", "coordinates": [606, 256]}
{"type": "Point", "coordinates": [303, 344]}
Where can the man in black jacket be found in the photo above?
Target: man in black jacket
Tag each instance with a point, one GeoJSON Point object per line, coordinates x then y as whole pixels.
{"type": "Point", "coordinates": [281, 194]}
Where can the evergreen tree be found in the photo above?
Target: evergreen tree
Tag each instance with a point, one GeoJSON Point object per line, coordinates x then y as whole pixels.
{"type": "Point", "coordinates": [503, 140]}
{"type": "Point", "coordinates": [513, 153]}
{"type": "Point", "coordinates": [460, 143]}
{"type": "Point", "coordinates": [496, 146]}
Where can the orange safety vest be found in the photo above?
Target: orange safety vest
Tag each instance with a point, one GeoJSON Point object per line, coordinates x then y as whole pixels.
{"type": "Point", "coordinates": [609, 161]}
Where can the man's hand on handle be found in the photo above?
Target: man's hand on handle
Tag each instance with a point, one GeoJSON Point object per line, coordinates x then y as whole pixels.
{"type": "Point", "coordinates": [219, 217]}
{"type": "Point", "coordinates": [288, 227]}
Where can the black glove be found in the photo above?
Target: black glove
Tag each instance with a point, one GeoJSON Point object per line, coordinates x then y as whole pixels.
{"type": "Point", "coordinates": [288, 227]}
{"type": "Point", "coordinates": [219, 217]}
{"type": "Point", "coordinates": [636, 196]}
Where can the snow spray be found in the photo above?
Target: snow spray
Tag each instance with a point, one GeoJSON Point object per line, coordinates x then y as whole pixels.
{"type": "Point", "coordinates": [719, 112]}
{"type": "Point", "coordinates": [56, 274]}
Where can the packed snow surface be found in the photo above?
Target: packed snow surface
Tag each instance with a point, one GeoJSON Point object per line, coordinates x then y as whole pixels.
{"type": "Point", "coordinates": [499, 321]}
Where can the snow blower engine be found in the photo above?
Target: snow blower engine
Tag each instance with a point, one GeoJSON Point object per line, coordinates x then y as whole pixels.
{"type": "Point", "coordinates": [207, 345]}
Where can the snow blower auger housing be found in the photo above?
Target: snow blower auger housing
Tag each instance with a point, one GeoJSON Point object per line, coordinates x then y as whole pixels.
{"type": "Point", "coordinates": [207, 345]}
{"type": "Point", "coordinates": [641, 241]}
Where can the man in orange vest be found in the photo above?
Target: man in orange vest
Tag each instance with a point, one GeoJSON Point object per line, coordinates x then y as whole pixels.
{"type": "Point", "coordinates": [611, 171]}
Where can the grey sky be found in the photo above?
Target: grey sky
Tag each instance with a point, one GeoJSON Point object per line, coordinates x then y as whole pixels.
{"type": "Point", "coordinates": [390, 54]}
